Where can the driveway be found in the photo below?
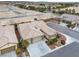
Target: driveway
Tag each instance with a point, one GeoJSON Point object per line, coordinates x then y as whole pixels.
{"type": "Point", "coordinates": [38, 49]}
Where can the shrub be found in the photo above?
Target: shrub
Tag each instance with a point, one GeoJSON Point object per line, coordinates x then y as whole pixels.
{"type": "Point", "coordinates": [18, 50]}
{"type": "Point", "coordinates": [24, 44]}
{"type": "Point", "coordinates": [63, 42]}
{"type": "Point", "coordinates": [40, 9]}
{"type": "Point", "coordinates": [31, 7]}
{"type": "Point", "coordinates": [54, 40]}
{"type": "Point", "coordinates": [71, 25]}
{"type": "Point", "coordinates": [20, 5]}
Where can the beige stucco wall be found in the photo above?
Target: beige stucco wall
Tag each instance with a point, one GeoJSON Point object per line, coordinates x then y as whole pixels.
{"type": "Point", "coordinates": [36, 39]}
{"type": "Point", "coordinates": [8, 49]}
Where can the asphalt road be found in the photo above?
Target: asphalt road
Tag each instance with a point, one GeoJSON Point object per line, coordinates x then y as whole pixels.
{"type": "Point", "coordinates": [64, 30]}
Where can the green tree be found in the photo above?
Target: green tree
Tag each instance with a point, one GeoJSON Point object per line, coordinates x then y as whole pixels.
{"type": "Point", "coordinates": [18, 51]}
{"type": "Point", "coordinates": [73, 11]}
{"type": "Point", "coordinates": [41, 4]}
{"type": "Point", "coordinates": [41, 9]}
{"type": "Point", "coordinates": [54, 40]}
{"type": "Point", "coordinates": [49, 8]}
{"type": "Point", "coordinates": [69, 11]}
{"type": "Point", "coordinates": [70, 25]}
{"type": "Point", "coordinates": [31, 7]}
{"type": "Point", "coordinates": [66, 10]}
{"type": "Point", "coordinates": [21, 6]}
{"type": "Point", "coordinates": [24, 44]}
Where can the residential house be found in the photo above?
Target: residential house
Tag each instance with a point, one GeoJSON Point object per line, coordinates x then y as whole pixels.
{"type": "Point", "coordinates": [30, 33]}
{"type": "Point", "coordinates": [36, 29]}
{"type": "Point", "coordinates": [8, 41]}
{"type": "Point", "coordinates": [42, 26]}
{"type": "Point", "coordinates": [71, 18]}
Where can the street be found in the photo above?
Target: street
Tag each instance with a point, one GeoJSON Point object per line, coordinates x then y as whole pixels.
{"type": "Point", "coordinates": [64, 30]}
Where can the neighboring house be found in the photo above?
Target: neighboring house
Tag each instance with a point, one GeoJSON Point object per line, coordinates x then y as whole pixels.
{"type": "Point", "coordinates": [11, 15]}
{"type": "Point", "coordinates": [17, 20]}
{"type": "Point", "coordinates": [70, 50]}
{"type": "Point", "coordinates": [70, 17]}
{"type": "Point", "coordinates": [35, 31]}
{"type": "Point", "coordinates": [8, 41]}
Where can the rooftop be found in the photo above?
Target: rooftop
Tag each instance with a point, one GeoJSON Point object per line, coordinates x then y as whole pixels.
{"type": "Point", "coordinates": [43, 26]}
{"type": "Point", "coordinates": [70, 17]}
{"type": "Point", "coordinates": [7, 36]}
{"type": "Point", "coordinates": [11, 14]}
{"type": "Point", "coordinates": [27, 31]}
{"type": "Point", "coordinates": [32, 29]}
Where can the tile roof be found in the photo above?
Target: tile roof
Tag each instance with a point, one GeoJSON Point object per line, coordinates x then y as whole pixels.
{"type": "Point", "coordinates": [70, 17]}
{"type": "Point", "coordinates": [7, 36]}
{"type": "Point", "coordinates": [32, 29]}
